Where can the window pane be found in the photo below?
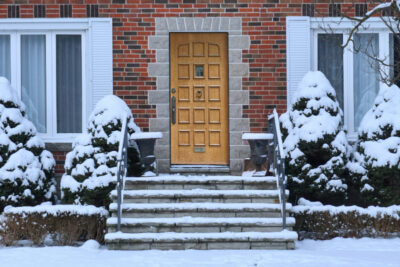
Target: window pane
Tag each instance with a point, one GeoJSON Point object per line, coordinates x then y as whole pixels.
{"type": "Point", "coordinates": [69, 84]}
{"type": "Point", "coordinates": [366, 75]}
{"type": "Point", "coordinates": [394, 50]}
{"type": "Point", "coordinates": [33, 78]}
{"type": "Point", "coordinates": [5, 65]}
{"type": "Point", "coordinates": [330, 61]}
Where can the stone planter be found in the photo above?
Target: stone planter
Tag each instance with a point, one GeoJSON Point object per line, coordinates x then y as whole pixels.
{"type": "Point", "coordinates": [258, 146]}
{"type": "Point", "coordinates": [146, 143]}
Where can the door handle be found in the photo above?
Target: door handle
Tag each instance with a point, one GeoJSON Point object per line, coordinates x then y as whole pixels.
{"type": "Point", "coordinates": [173, 110]}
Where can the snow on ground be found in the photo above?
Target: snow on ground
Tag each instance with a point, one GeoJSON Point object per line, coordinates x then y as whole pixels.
{"type": "Point", "coordinates": [336, 252]}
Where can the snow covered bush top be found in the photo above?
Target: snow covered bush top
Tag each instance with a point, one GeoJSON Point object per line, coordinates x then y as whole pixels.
{"type": "Point", "coordinates": [376, 161]}
{"type": "Point", "coordinates": [26, 168]}
{"type": "Point", "coordinates": [106, 120]}
{"type": "Point", "coordinates": [315, 110]}
{"type": "Point", "coordinates": [379, 131]}
{"type": "Point", "coordinates": [315, 142]}
{"type": "Point", "coordinates": [91, 166]}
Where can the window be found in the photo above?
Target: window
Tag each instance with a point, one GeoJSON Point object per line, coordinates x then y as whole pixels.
{"type": "Point", "coordinates": [394, 56]}
{"type": "Point", "coordinates": [45, 61]}
{"type": "Point", "coordinates": [60, 68]}
{"type": "Point", "coordinates": [353, 74]}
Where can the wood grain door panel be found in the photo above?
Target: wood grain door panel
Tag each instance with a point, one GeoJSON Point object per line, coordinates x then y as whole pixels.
{"type": "Point", "coordinates": [199, 77]}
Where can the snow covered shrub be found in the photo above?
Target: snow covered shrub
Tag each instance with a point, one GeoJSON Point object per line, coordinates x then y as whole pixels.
{"type": "Point", "coordinates": [59, 224]}
{"type": "Point", "coordinates": [91, 166]}
{"type": "Point", "coordinates": [26, 168]}
{"type": "Point", "coordinates": [315, 144]}
{"type": "Point", "coordinates": [376, 165]}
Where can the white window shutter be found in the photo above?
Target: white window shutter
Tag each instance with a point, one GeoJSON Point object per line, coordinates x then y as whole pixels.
{"type": "Point", "coordinates": [101, 60]}
{"type": "Point", "coordinates": [298, 54]}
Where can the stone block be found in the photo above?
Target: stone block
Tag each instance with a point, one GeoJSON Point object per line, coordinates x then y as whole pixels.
{"type": "Point", "coordinates": [161, 24]}
{"type": "Point", "coordinates": [162, 55]}
{"type": "Point", "coordinates": [215, 24]}
{"type": "Point", "coordinates": [224, 24]}
{"type": "Point", "coordinates": [162, 152]}
{"type": "Point", "coordinates": [159, 125]}
{"type": "Point", "coordinates": [190, 24]}
{"type": "Point", "coordinates": [239, 125]}
{"type": "Point", "coordinates": [239, 152]}
{"type": "Point", "coordinates": [239, 42]}
{"type": "Point", "coordinates": [158, 42]}
{"type": "Point", "coordinates": [239, 97]}
{"type": "Point", "coordinates": [235, 138]}
{"type": "Point", "coordinates": [198, 23]}
{"type": "Point", "coordinates": [235, 24]}
{"type": "Point", "coordinates": [235, 83]}
{"type": "Point", "coordinates": [162, 110]}
{"type": "Point", "coordinates": [159, 97]}
{"type": "Point", "coordinates": [163, 167]}
{"type": "Point", "coordinates": [229, 245]}
{"type": "Point", "coordinates": [172, 24]}
{"type": "Point", "coordinates": [158, 69]}
{"type": "Point", "coordinates": [163, 82]}
{"type": "Point", "coordinates": [207, 24]}
{"type": "Point", "coordinates": [164, 141]}
{"type": "Point", "coordinates": [239, 70]}
{"type": "Point", "coordinates": [235, 56]}
{"type": "Point", "coordinates": [236, 166]}
{"type": "Point", "coordinates": [235, 111]}
{"type": "Point", "coordinates": [181, 24]}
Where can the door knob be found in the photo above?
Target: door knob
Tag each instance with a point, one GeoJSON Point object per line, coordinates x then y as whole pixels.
{"type": "Point", "coordinates": [199, 93]}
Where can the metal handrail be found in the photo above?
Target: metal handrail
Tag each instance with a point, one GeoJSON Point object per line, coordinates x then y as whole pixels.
{"type": "Point", "coordinates": [276, 160]}
{"type": "Point", "coordinates": [122, 159]}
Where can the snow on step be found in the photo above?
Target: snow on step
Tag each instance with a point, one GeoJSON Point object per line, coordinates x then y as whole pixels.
{"type": "Point", "coordinates": [202, 221]}
{"type": "Point", "coordinates": [199, 193]}
{"type": "Point", "coordinates": [284, 235]}
{"type": "Point", "coordinates": [204, 206]}
{"type": "Point", "coordinates": [202, 179]}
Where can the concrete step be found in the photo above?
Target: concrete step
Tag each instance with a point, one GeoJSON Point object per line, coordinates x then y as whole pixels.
{"type": "Point", "coordinates": [204, 209]}
{"type": "Point", "coordinates": [178, 241]}
{"type": "Point", "coordinates": [199, 225]}
{"type": "Point", "coordinates": [199, 195]}
{"type": "Point", "coordinates": [204, 182]}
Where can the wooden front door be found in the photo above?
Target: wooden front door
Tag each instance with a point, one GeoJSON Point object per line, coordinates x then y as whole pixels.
{"type": "Point", "coordinates": [199, 98]}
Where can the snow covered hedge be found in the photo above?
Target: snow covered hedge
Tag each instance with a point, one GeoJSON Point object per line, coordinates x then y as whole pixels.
{"type": "Point", "coordinates": [315, 142]}
{"type": "Point", "coordinates": [91, 166]}
{"type": "Point", "coordinates": [376, 164]}
{"type": "Point", "coordinates": [26, 168]}
{"type": "Point", "coordinates": [57, 225]}
{"type": "Point", "coordinates": [327, 222]}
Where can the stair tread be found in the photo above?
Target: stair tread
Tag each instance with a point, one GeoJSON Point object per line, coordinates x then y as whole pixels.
{"type": "Point", "coordinates": [198, 193]}
{"type": "Point", "coordinates": [284, 235]}
{"type": "Point", "coordinates": [200, 206]}
{"type": "Point", "coordinates": [290, 221]}
{"type": "Point", "coordinates": [202, 179]}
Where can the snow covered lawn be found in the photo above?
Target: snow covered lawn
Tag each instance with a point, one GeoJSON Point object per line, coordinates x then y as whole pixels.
{"type": "Point", "coordinates": [336, 252]}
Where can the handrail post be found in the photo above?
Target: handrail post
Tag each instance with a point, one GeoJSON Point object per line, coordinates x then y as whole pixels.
{"type": "Point", "coordinates": [122, 159]}
{"type": "Point", "coordinates": [277, 158]}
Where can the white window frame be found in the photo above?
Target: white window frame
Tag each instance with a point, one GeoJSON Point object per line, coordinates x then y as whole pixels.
{"type": "Point", "coordinates": [92, 88]}
{"type": "Point", "coordinates": [342, 26]}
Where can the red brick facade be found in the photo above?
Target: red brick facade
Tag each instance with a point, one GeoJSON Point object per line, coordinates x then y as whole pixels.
{"type": "Point", "coordinates": [134, 21]}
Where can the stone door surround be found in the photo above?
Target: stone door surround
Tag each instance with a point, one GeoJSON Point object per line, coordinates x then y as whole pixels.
{"type": "Point", "coordinates": [237, 70]}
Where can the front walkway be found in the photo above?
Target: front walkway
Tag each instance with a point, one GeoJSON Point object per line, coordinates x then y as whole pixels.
{"type": "Point", "coordinates": [336, 252]}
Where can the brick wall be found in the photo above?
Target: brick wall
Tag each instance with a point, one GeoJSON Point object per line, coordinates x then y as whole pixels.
{"type": "Point", "coordinates": [134, 21]}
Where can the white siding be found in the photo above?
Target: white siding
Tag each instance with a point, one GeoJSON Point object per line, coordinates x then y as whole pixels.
{"type": "Point", "coordinates": [298, 46]}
